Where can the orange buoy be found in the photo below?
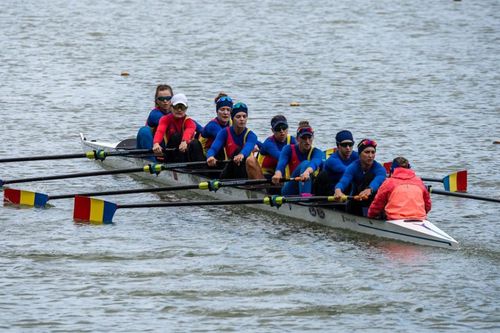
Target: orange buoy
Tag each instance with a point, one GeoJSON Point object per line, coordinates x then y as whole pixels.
{"type": "Point", "coordinates": [496, 142]}
{"type": "Point", "coordinates": [294, 104]}
{"type": "Point", "coordinates": [124, 74]}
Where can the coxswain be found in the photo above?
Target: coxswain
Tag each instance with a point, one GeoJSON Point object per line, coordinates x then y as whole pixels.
{"type": "Point", "coordinates": [223, 107]}
{"type": "Point", "coordinates": [237, 142]}
{"type": "Point", "coordinates": [363, 177]}
{"type": "Point", "coordinates": [263, 165]}
{"type": "Point", "coordinates": [402, 196]}
{"type": "Point", "coordinates": [145, 135]}
{"type": "Point", "coordinates": [334, 167]}
{"type": "Point", "coordinates": [176, 131]}
{"type": "Point", "coordinates": [298, 160]}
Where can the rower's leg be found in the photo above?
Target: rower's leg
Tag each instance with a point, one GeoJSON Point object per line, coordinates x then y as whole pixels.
{"type": "Point", "coordinates": [253, 168]}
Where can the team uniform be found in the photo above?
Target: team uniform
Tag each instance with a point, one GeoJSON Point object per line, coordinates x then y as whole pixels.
{"type": "Point", "coordinates": [359, 180]}
{"type": "Point", "coordinates": [171, 132]}
{"type": "Point", "coordinates": [269, 154]}
{"type": "Point", "coordinates": [292, 163]}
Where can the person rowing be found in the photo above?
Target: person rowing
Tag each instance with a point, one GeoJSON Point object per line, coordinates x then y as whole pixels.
{"type": "Point", "coordinates": [145, 135]}
{"type": "Point", "coordinates": [237, 142]}
{"type": "Point", "coordinates": [363, 176]}
{"type": "Point", "coordinates": [298, 160]}
{"type": "Point", "coordinates": [334, 167]}
{"type": "Point", "coordinates": [264, 164]}
{"type": "Point", "coordinates": [176, 130]}
{"type": "Point", "coordinates": [223, 107]}
{"type": "Point", "coordinates": [402, 196]}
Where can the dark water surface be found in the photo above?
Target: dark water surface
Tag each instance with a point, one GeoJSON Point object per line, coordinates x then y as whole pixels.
{"type": "Point", "coordinates": [420, 77]}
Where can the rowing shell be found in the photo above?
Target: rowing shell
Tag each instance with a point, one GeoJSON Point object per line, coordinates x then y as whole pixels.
{"type": "Point", "coordinates": [421, 232]}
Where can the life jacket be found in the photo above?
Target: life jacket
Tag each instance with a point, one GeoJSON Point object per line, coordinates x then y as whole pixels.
{"type": "Point", "coordinates": [295, 161]}
{"type": "Point", "coordinates": [231, 147]}
{"type": "Point", "coordinates": [267, 162]}
{"type": "Point", "coordinates": [206, 143]}
{"type": "Point", "coordinates": [173, 129]}
{"type": "Point", "coordinates": [405, 201]}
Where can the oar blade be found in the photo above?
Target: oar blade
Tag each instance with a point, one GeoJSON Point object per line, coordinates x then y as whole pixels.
{"type": "Point", "coordinates": [456, 182]}
{"type": "Point", "coordinates": [94, 211]}
{"type": "Point", "coordinates": [24, 198]}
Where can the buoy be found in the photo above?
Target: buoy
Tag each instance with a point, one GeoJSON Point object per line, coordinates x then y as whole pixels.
{"type": "Point", "coordinates": [294, 104]}
{"type": "Point", "coordinates": [124, 74]}
{"type": "Point", "coordinates": [496, 142]}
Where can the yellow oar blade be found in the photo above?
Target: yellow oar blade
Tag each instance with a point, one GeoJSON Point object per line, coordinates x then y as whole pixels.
{"type": "Point", "coordinates": [24, 198]}
{"type": "Point", "coordinates": [92, 210]}
{"type": "Point", "coordinates": [456, 182]}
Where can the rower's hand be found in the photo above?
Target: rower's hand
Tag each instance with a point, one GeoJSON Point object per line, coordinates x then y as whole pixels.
{"type": "Point", "coordinates": [238, 158]}
{"type": "Point", "coordinates": [211, 161]}
{"type": "Point", "coordinates": [277, 177]}
{"type": "Point", "coordinates": [183, 147]}
{"type": "Point", "coordinates": [305, 175]}
{"type": "Point", "coordinates": [365, 194]}
{"type": "Point", "coordinates": [338, 195]}
{"type": "Point", "coordinates": [157, 149]}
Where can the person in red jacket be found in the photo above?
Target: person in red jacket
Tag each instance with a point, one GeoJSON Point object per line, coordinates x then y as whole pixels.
{"type": "Point", "coordinates": [176, 131]}
{"type": "Point", "coordinates": [402, 196]}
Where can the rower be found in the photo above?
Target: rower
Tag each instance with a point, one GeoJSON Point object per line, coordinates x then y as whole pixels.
{"type": "Point", "coordinates": [334, 167]}
{"type": "Point", "coordinates": [264, 164]}
{"type": "Point", "coordinates": [177, 131]}
{"type": "Point", "coordinates": [237, 142]}
{"type": "Point", "coordinates": [298, 160]}
{"type": "Point", "coordinates": [364, 176]}
{"type": "Point", "coordinates": [163, 107]}
{"type": "Point", "coordinates": [402, 196]}
{"type": "Point", "coordinates": [223, 107]}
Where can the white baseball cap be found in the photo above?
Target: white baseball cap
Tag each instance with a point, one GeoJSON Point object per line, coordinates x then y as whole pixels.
{"type": "Point", "coordinates": [179, 99]}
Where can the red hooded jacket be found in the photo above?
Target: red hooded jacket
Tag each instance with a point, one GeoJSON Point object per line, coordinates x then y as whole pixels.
{"type": "Point", "coordinates": [402, 196]}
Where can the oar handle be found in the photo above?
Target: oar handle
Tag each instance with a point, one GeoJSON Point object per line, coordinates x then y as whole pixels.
{"type": "Point", "coordinates": [72, 175]}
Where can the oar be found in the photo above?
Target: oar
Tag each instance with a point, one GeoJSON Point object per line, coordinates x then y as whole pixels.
{"type": "Point", "coordinates": [98, 154]}
{"type": "Point", "coordinates": [99, 211]}
{"type": "Point", "coordinates": [28, 198]}
{"type": "Point", "coordinates": [463, 195]}
{"type": "Point", "coordinates": [454, 182]}
{"type": "Point", "coordinates": [35, 199]}
{"type": "Point", "coordinates": [153, 168]}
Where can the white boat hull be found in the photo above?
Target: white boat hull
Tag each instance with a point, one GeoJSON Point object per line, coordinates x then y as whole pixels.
{"type": "Point", "coordinates": [416, 232]}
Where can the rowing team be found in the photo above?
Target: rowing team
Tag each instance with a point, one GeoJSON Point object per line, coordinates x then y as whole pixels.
{"type": "Point", "coordinates": [175, 137]}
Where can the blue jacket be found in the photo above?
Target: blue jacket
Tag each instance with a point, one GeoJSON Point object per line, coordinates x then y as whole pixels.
{"type": "Point", "coordinates": [336, 166]}
{"type": "Point", "coordinates": [221, 138]}
{"type": "Point", "coordinates": [354, 175]}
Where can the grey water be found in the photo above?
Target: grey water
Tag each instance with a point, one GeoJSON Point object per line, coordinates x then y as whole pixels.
{"type": "Point", "coordinates": [419, 77]}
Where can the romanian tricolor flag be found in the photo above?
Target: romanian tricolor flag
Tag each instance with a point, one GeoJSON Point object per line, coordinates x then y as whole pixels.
{"type": "Point", "coordinates": [24, 198]}
{"type": "Point", "coordinates": [456, 182]}
{"type": "Point", "coordinates": [93, 210]}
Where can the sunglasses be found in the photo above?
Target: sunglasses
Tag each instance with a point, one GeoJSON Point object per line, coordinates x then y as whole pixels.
{"type": "Point", "coordinates": [306, 136]}
{"type": "Point", "coordinates": [164, 98]}
{"type": "Point", "coordinates": [180, 107]}
{"type": "Point", "coordinates": [240, 105]}
{"type": "Point", "coordinates": [224, 98]}
{"type": "Point", "coordinates": [346, 144]}
{"type": "Point", "coordinates": [280, 127]}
